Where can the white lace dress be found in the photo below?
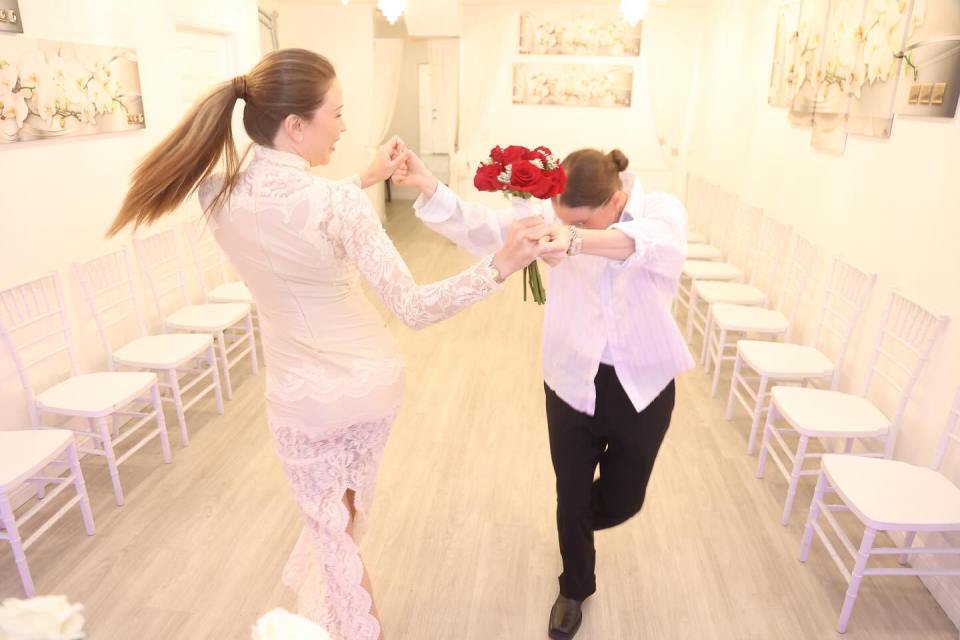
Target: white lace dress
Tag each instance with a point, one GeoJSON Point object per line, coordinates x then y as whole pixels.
{"type": "Point", "coordinates": [334, 374]}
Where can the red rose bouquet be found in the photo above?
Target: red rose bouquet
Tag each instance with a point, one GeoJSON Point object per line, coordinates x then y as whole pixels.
{"type": "Point", "coordinates": [521, 174]}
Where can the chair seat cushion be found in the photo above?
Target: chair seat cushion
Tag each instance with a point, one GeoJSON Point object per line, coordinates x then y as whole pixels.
{"type": "Point", "coordinates": [784, 361]}
{"type": "Point", "coordinates": [820, 412]}
{"type": "Point", "coordinates": [735, 317]}
{"type": "Point", "coordinates": [208, 317]}
{"type": "Point", "coordinates": [713, 291]}
{"type": "Point", "coordinates": [709, 270]}
{"type": "Point", "coordinates": [96, 394]}
{"type": "Point", "coordinates": [163, 351]}
{"type": "Point", "coordinates": [231, 292]}
{"type": "Point", "coordinates": [891, 494]}
{"type": "Point", "coordinates": [24, 452]}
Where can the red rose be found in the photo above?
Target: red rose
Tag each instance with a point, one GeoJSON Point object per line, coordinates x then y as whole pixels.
{"type": "Point", "coordinates": [496, 154]}
{"type": "Point", "coordinates": [559, 177]}
{"type": "Point", "coordinates": [523, 176]}
{"type": "Point", "coordinates": [543, 187]}
{"type": "Point", "coordinates": [543, 151]}
{"type": "Point", "coordinates": [513, 153]}
{"type": "Point", "coordinates": [486, 178]}
{"type": "Point", "coordinates": [550, 183]}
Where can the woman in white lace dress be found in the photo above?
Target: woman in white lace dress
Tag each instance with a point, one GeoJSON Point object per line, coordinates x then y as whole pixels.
{"type": "Point", "coordinates": [334, 375]}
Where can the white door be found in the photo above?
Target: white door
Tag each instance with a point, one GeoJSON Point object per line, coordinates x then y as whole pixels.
{"type": "Point", "coordinates": [428, 112]}
{"type": "Point", "coordinates": [204, 59]}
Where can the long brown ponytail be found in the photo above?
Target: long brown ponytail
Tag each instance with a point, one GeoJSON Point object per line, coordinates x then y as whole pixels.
{"type": "Point", "coordinates": [284, 82]}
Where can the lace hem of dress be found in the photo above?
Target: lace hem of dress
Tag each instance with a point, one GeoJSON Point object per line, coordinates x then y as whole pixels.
{"type": "Point", "coordinates": [325, 568]}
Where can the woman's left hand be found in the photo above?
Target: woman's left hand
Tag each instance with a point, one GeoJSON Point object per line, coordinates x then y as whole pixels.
{"type": "Point", "coordinates": [553, 247]}
{"type": "Point", "coordinates": [389, 156]}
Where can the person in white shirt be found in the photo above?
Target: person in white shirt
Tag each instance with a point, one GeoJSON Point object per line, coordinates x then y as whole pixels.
{"type": "Point", "coordinates": [611, 348]}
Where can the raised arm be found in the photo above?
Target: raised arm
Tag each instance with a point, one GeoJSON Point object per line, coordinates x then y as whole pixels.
{"type": "Point", "coordinates": [354, 223]}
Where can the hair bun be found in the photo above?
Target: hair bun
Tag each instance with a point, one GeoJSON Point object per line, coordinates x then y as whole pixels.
{"type": "Point", "coordinates": [619, 160]}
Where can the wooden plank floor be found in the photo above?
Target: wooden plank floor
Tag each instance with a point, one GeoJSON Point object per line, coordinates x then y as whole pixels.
{"type": "Point", "coordinates": [462, 543]}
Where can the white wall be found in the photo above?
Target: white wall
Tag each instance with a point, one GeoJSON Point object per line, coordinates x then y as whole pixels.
{"type": "Point", "coordinates": [489, 49]}
{"type": "Point", "coordinates": [890, 206]}
{"type": "Point", "coordinates": [58, 197]}
{"type": "Point", "coordinates": [344, 34]}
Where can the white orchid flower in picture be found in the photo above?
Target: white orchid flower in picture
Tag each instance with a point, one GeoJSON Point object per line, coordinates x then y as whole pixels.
{"type": "Point", "coordinates": [279, 624]}
{"type": "Point", "coordinates": [41, 618]}
{"type": "Point", "coordinates": [52, 89]}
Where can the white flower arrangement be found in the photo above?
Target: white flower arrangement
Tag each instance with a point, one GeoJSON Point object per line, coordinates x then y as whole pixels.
{"type": "Point", "coordinates": [279, 624]}
{"type": "Point", "coordinates": [56, 90]}
{"type": "Point", "coordinates": [41, 618]}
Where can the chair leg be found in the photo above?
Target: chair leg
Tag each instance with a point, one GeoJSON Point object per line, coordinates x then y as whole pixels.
{"type": "Point", "coordinates": [757, 413]}
{"type": "Point", "coordinates": [737, 366]}
{"type": "Point", "coordinates": [720, 347]}
{"type": "Point", "coordinates": [178, 404]}
{"type": "Point", "coordinates": [254, 367]}
{"type": "Point", "coordinates": [73, 460]}
{"type": "Point", "coordinates": [222, 346]}
{"type": "Point", "coordinates": [691, 312]}
{"type": "Point", "coordinates": [907, 543]}
{"type": "Point", "coordinates": [799, 457]}
{"type": "Point", "coordinates": [808, 531]}
{"type": "Point", "coordinates": [107, 444]}
{"type": "Point", "coordinates": [161, 422]}
{"type": "Point", "coordinates": [13, 535]}
{"type": "Point", "coordinates": [705, 347]}
{"type": "Point", "coordinates": [863, 555]}
{"type": "Point", "coordinates": [211, 360]}
{"type": "Point", "coordinates": [765, 443]}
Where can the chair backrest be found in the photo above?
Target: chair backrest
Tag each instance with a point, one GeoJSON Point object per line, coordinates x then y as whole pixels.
{"type": "Point", "coordinates": [845, 298]}
{"type": "Point", "coordinates": [706, 205]}
{"type": "Point", "coordinates": [691, 197]}
{"type": "Point", "coordinates": [159, 255]}
{"type": "Point", "coordinates": [741, 238]}
{"type": "Point", "coordinates": [906, 338]}
{"type": "Point", "coordinates": [950, 435]}
{"type": "Point", "coordinates": [768, 254]}
{"type": "Point", "coordinates": [34, 327]}
{"type": "Point", "coordinates": [795, 280]}
{"type": "Point", "coordinates": [721, 207]}
{"type": "Point", "coordinates": [108, 287]}
{"type": "Point", "coordinates": [208, 260]}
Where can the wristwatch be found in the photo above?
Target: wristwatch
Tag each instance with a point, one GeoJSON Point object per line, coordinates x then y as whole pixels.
{"type": "Point", "coordinates": [576, 241]}
{"type": "Point", "coordinates": [494, 272]}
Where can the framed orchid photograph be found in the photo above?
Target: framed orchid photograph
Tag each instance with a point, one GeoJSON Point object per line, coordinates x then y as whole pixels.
{"type": "Point", "coordinates": [603, 33]}
{"type": "Point", "coordinates": [573, 85]}
{"type": "Point", "coordinates": [54, 89]}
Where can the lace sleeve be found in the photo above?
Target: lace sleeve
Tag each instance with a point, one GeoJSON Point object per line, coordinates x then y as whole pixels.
{"type": "Point", "coordinates": [367, 245]}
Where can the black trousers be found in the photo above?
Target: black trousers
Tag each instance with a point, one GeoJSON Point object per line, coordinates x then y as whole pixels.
{"type": "Point", "coordinates": [624, 444]}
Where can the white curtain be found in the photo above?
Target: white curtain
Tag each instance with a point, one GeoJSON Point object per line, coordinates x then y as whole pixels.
{"type": "Point", "coordinates": [488, 49]}
{"type": "Point", "coordinates": [674, 79]}
{"type": "Point", "coordinates": [387, 62]}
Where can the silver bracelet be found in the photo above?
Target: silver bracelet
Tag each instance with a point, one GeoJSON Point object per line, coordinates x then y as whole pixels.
{"type": "Point", "coordinates": [576, 241]}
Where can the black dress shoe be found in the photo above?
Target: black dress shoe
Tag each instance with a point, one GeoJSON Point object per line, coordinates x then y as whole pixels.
{"type": "Point", "coordinates": [565, 618]}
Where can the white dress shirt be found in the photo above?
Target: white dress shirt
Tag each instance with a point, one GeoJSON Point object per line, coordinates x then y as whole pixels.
{"type": "Point", "coordinates": [598, 309]}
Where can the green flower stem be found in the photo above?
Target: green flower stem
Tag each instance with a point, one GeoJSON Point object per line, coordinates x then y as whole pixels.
{"type": "Point", "coordinates": [536, 283]}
